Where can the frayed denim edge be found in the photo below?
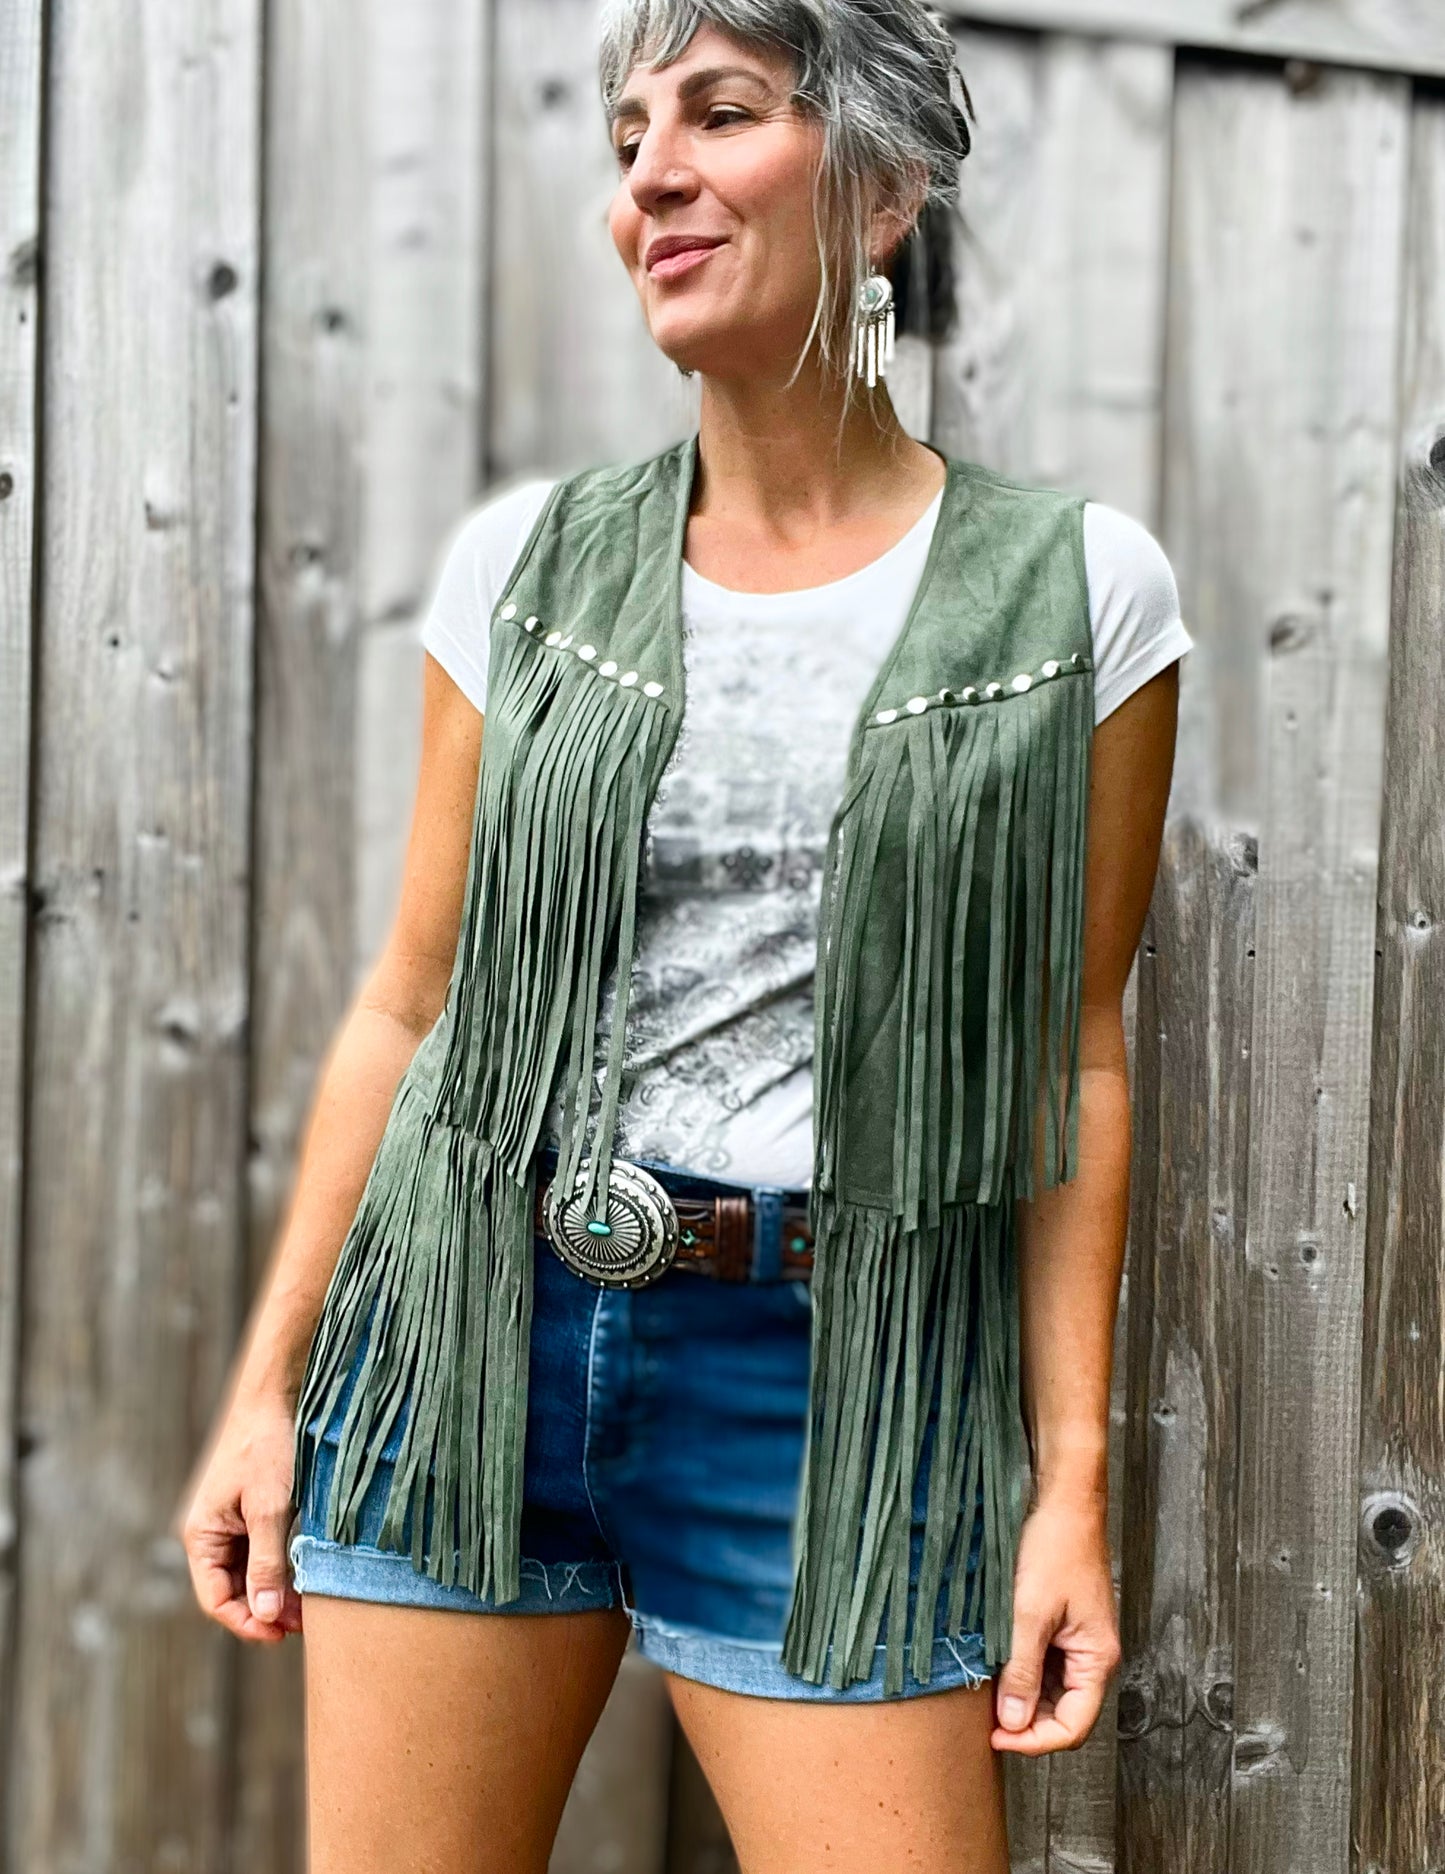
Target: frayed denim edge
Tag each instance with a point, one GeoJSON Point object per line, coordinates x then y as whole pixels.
{"type": "Point", "coordinates": [755, 1667]}
{"type": "Point", "coordinates": [360, 1572]}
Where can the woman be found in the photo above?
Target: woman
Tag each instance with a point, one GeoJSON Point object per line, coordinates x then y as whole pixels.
{"type": "Point", "coordinates": [666, 1423]}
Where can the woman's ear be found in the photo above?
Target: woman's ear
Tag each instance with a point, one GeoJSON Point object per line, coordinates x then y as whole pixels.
{"type": "Point", "coordinates": [898, 208]}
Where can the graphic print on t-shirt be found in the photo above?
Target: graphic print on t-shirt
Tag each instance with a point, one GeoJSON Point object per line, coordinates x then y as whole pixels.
{"type": "Point", "coordinates": [718, 1074]}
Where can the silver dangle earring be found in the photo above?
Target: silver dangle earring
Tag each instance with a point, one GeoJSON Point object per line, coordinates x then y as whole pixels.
{"type": "Point", "coordinates": [873, 329]}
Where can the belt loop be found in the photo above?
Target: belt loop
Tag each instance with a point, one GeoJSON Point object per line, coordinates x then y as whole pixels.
{"type": "Point", "coordinates": [767, 1233]}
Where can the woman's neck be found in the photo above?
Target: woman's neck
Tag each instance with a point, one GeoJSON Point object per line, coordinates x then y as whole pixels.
{"type": "Point", "coordinates": [787, 495]}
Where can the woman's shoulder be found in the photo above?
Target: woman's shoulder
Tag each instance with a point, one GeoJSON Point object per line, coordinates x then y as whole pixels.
{"type": "Point", "coordinates": [476, 561]}
{"type": "Point", "coordinates": [1133, 605]}
{"type": "Point", "coordinates": [491, 533]}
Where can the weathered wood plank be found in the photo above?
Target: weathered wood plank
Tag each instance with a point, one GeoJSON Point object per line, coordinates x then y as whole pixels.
{"type": "Point", "coordinates": [20, 118]}
{"type": "Point", "coordinates": [1391, 35]}
{"type": "Point", "coordinates": [137, 1098]}
{"type": "Point", "coordinates": [575, 376]}
{"type": "Point", "coordinates": [1399, 1792]}
{"type": "Point", "coordinates": [428, 156]}
{"type": "Point", "coordinates": [308, 597]}
{"type": "Point", "coordinates": [1054, 371]}
{"type": "Point", "coordinates": [1189, 1193]}
{"type": "Point", "coordinates": [1054, 375]}
{"type": "Point", "coordinates": [1280, 471]}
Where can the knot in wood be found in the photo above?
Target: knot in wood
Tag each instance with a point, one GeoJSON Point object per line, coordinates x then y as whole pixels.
{"type": "Point", "coordinates": [1389, 1530]}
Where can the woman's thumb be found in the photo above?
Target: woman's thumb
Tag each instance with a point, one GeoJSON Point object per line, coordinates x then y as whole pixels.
{"type": "Point", "coordinates": [266, 1568]}
{"type": "Point", "coordinates": [1022, 1678]}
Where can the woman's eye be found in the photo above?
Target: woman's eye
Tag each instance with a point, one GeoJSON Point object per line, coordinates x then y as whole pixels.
{"type": "Point", "coordinates": [718, 115]}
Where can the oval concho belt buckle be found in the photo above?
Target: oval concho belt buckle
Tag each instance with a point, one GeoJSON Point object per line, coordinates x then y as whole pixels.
{"type": "Point", "coordinates": [628, 1248]}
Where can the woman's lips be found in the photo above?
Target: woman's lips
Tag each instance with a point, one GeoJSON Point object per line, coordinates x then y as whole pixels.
{"type": "Point", "coordinates": [671, 265]}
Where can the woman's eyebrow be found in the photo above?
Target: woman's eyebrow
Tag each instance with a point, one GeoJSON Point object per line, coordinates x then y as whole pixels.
{"type": "Point", "coordinates": [689, 88]}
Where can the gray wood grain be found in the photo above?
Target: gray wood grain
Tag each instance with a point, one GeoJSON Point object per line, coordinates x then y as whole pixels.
{"type": "Point", "coordinates": [427, 155]}
{"type": "Point", "coordinates": [1394, 35]}
{"type": "Point", "coordinates": [1280, 420]}
{"type": "Point", "coordinates": [308, 597]}
{"type": "Point", "coordinates": [1399, 1770]}
{"type": "Point", "coordinates": [20, 121]}
{"type": "Point", "coordinates": [133, 1225]}
{"type": "Point", "coordinates": [1054, 372]}
{"type": "Point", "coordinates": [1189, 1200]}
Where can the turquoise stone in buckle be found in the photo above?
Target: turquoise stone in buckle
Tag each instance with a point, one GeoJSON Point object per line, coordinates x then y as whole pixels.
{"type": "Point", "coordinates": [632, 1245]}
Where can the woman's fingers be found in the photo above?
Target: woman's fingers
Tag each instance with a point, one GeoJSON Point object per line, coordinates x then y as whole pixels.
{"type": "Point", "coordinates": [272, 1599]}
{"type": "Point", "coordinates": [219, 1583]}
{"type": "Point", "coordinates": [1057, 1725]}
{"type": "Point", "coordinates": [236, 1526]}
{"type": "Point", "coordinates": [1021, 1680]}
{"type": "Point", "coordinates": [1065, 1634]}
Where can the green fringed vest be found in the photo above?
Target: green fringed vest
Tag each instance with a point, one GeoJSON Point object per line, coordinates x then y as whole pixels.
{"type": "Point", "coordinates": [947, 1015]}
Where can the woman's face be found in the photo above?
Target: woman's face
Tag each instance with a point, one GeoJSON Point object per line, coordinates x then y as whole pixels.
{"type": "Point", "coordinates": [712, 154]}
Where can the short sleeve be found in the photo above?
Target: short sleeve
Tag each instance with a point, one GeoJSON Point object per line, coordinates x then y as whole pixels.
{"type": "Point", "coordinates": [476, 562]}
{"type": "Point", "coordinates": [1133, 606]}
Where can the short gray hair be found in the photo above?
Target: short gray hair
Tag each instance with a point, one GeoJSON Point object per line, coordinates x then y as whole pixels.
{"type": "Point", "coordinates": [880, 76]}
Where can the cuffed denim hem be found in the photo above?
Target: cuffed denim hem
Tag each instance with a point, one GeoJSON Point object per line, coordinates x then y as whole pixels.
{"type": "Point", "coordinates": [356, 1571]}
{"type": "Point", "coordinates": [755, 1667]}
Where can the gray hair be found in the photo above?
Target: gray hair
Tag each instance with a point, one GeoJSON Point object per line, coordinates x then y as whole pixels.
{"type": "Point", "coordinates": [880, 76]}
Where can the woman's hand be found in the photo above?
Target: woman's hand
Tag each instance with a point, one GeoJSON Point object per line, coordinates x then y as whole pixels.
{"type": "Point", "coordinates": [235, 1525]}
{"type": "Point", "coordinates": [1065, 1630]}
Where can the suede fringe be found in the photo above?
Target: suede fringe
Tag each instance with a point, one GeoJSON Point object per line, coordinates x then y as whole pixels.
{"type": "Point", "coordinates": [436, 1268]}
{"type": "Point", "coordinates": [899, 1292]}
{"type": "Point", "coordinates": [893, 1312]}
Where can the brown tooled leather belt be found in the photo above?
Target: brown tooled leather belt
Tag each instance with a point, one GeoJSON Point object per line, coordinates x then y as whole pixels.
{"type": "Point", "coordinates": [715, 1237]}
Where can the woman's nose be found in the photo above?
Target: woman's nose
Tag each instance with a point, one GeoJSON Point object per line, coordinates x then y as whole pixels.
{"type": "Point", "coordinates": [660, 171]}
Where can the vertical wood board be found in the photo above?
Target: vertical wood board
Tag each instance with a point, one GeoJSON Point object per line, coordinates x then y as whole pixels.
{"type": "Point", "coordinates": [20, 114]}
{"type": "Point", "coordinates": [141, 788]}
{"type": "Point", "coordinates": [308, 597]}
{"type": "Point", "coordinates": [1399, 1769]}
{"type": "Point", "coordinates": [1054, 373]}
{"type": "Point", "coordinates": [1189, 1197]}
{"type": "Point", "coordinates": [1278, 503]}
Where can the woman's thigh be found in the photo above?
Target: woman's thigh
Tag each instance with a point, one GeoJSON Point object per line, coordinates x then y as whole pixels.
{"type": "Point", "coordinates": [817, 1788]}
{"type": "Point", "coordinates": [438, 1740]}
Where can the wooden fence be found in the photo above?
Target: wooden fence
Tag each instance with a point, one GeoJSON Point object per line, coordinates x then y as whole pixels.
{"type": "Point", "coordinates": [282, 291]}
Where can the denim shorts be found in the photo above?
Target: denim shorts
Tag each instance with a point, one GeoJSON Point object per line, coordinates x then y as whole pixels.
{"type": "Point", "coordinates": [664, 1451]}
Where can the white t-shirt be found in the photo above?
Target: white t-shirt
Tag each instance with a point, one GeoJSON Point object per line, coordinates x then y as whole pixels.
{"type": "Point", "coordinates": [719, 1057]}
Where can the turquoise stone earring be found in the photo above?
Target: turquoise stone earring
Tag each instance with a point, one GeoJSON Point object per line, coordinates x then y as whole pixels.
{"type": "Point", "coordinates": [873, 329]}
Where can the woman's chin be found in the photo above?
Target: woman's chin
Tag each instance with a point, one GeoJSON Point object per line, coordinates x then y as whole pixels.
{"type": "Point", "coordinates": [736, 356]}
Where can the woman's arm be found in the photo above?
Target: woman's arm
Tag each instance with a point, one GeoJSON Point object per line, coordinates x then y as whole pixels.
{"type": "Point", "coordinates": [236, 1510]}
{"type": "Point", "coordinates": [1071, 1258]}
